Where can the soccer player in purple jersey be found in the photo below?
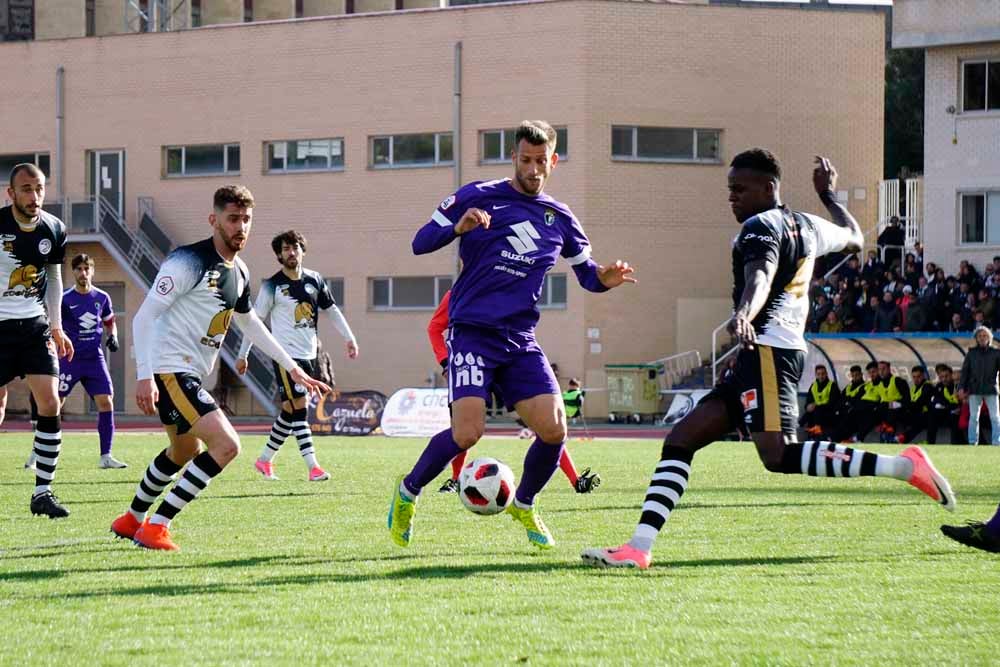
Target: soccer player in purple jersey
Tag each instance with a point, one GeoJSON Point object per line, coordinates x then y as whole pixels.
{"type": "Point", "coordinates": [511, 233]}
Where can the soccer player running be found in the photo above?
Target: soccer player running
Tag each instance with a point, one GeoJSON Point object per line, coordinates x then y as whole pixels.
{"type": "Point", "coordinates": [511, 234]}
{"type": "Point", "coordinates": [773, 258]}
{"type": "Point", "coordinates": [293, 297]}
{"type": "Point", "coordinates": [178, 331]}
{"type": "Point", "coordinates": [32, 250]}
{"type": "Point", "coordinates": [83, 308]}
{"type": "Point", "coordinates": [582, 482]}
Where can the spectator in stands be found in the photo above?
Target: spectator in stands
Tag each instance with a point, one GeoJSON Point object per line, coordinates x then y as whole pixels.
{"type": "Point", "coordinates": [911, 273]}
{"type": "Point", "coordinates": [916, 416]}
{"type": "Point", "coordinates": [820, 307]}
{"type": "Point", "coordinates": [893, 284]}
{"type": "Point", "coordinates": [844, 312]}
{"type": "Point", "coordinates": [945, 408]}
{"type": "Point", "coordinates": [873, 268]}
{"type": "Point", "coordinates": [969, 309]}
{"type": "Point", "coordinates": [891, 241]}
{"type": "Point", "coordinates": [822, 403]}
{"type": "Point", "coordinates": [957, 325]}
{"type": "Point", "coordinates": [918, 255]}
{"type": "Point", "coordinates": [887, 316]}
{"type": "Point", "coordinates": [832, 323]}
{"type": "Point", "coordinates": [917, 317]}
{"type": "Point", "coordinates": [870, 314]}
{"type": "Point", "coordinates": [895, 392]}
{"type": "Point", "coordinates": [967, 275]}
{"type": "Point", "coordinates": [988, 305]}
{"type": "Point", "coordinates": [850, 270]}
{"type": "Point", "coordinates": [979, 383]}
{"type": "Point", "coordinates": [904, 302]}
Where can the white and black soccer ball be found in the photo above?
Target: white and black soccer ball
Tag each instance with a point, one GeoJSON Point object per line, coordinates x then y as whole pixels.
{"type": "Point", "coordinates": [486, 486]}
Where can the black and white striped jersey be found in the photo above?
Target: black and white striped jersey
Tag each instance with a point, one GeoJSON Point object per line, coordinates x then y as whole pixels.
{"type": "Point", "coordinates": [25, 255]}
{"type": "Point", "coordinates": [792, 241]}
{"type": "Point", "coordinates": [199, 291]}
{"type": "Point", "coordinates": [294, 307]}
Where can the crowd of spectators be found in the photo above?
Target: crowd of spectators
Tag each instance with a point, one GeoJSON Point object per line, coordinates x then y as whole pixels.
{"type": "Point", "coordinates": [903, 293]}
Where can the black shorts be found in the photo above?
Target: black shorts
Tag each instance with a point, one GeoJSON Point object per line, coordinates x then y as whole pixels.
{"type": "Point", "coordinates": [762, 394]}
{"type": "Point", "coordinates": [288, 390]}
{"type": "Point", "coordinates": [26, 348]}
{"type": "Point", "coordinates": [183, 401]}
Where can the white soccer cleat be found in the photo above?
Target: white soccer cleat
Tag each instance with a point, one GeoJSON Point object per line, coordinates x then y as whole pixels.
{"type": "Point", "coordinates": [108, 461]}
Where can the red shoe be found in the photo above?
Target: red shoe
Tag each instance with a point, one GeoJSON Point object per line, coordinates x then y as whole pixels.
{"type": "Point", "coordinates": [125, 526]}
{"type": "Point", "coordinates": [617, 557]}
{"type": "Point", "coordinates": [317, 474]}
{"type": "Point", "coordinates": [265, 468]}
{"type": "Point", "coordinates": [927, 479]}
{"type": "Point", "coordinates": [154, 536]}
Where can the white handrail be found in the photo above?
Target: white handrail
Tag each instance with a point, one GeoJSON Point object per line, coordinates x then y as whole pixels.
{"type": "Point", "coordinates": [716, 358]}
{"type": "Point", "coordinates": [676, 366]}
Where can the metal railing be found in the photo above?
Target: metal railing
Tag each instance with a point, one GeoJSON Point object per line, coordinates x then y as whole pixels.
{"type": "Point", "coordinates": [716, 357]}
{"type": "Point", "coordinates": [674, 368]}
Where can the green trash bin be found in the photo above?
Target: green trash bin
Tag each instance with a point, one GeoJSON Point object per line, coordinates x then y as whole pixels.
{"type": "Point", "coordinates": [633, 391]}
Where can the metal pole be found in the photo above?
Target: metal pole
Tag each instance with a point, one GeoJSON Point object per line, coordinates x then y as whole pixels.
{"type": "Point", "coordinates": [57, 167]}
{"type": "Point", "coordinates": [456, 141]}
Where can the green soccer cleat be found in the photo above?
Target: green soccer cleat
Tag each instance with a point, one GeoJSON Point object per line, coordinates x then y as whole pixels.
{"type": "Point", "coordinates": [538, 534]}
{"type": "Point", "coordinates": [401, 513]}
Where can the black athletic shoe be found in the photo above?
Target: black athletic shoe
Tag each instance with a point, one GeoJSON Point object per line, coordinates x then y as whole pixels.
{"type": "Point", "coordinates": [974, 535]}
{"type": "Point", "coordinates": [451, 486]}
{"type": "Point", "coordinates": [46, 503]}
{"type": "Point", "coordinates": [587, 482]}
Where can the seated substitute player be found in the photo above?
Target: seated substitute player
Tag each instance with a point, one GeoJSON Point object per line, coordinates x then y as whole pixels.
{"type": "Point", "coordinates": [584, 482]}
{"type": "Point", "coordinates": [32, 249]}
{"type": "Point", "coordinates": [945, 408]}
{"type": "Point", "coordinates": [511, 234]}
{"type": "Point", "coordinates": [895, 402]}
{"type": "Point", "coordinates": [773, 258]}
{"type": "Point", "coordinates": [293, 297]}
{"type": "Point", "coordinates": [916, 415]}
{"type": "Point", "coordinates": [822, 403]}
{"type": "Point", "coordinates": [860, 406]}
{"type": "Point", "coordinates": [83, 308]}
{"type": "Point", "coordinates": [178, 331]}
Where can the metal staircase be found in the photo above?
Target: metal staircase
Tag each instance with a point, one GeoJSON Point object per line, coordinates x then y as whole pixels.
{"type": "Point", "coordinates": [140, 252]}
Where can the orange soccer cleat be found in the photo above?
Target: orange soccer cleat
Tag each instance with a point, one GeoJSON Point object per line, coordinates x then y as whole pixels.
{"type": "Point", "coordinates": [125, 526]}
{"type": "Point", "coordinates": [617, 557]}
{"type": "Point", "coordinates": [154, 536]}
{"type": "Point", "coordinates": [927, 479]}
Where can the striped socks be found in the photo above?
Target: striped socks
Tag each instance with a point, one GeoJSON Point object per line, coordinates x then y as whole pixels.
{"type": "Point", "coordinates": [827, 459]}
{"type": "Point", "coordinates": [280, 430]}
{"type": "Point", "coordinates": [158, 476]}
{"type": "Point", "coordinates": [197, 475]}
{"type": "Point", "coordinates": [48, 439]}
{"type": "Point", "coordinates": [665, 491]}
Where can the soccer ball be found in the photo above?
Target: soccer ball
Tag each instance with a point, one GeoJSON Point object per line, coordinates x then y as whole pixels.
{"type": "Point", "coordinates": [526, 434]}
{"type": "Point", "coordinates": [486, 486]}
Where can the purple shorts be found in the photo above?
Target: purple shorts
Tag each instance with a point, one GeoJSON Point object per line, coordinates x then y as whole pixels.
{"type": "Point", "coordinates": [93, 373]}
{"type": "Point", "coordinates": [512, 362]}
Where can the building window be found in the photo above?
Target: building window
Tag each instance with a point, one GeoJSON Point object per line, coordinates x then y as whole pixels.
{"type": "Point", "coordinates": [336, 287]}
{"type": "Point", "coordinates": [9, 161]}
{"type": "Point", "coordinates": [497, 145]}
{"type": "Point", "coordinates": [553, 291]}
{"type": "Point", "coordinates": [195, 13]}
{"type": "Point", "coordinates": [90, 12]}
{"type": "Point", "coordinates": [408, 293]}
{"type": "Point", "coordinates": [305, 155]}
{"type": "Point", "coordinates": [411, 150]}
{"type": "Point", "coordinates": [981, 86]}
{"type": "Point", "coordinates": [300, 10]}
{"type": "Point", "coordinates": [202, 160]}
{"type": "Point", "coordinates": [980, 218]}
{"type": "Point", "coordinates": [665, 144]}
{"type": "Point", "coordinates": [247, 11]}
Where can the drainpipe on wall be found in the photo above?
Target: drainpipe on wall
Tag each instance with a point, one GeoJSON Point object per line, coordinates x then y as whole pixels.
{"type": "Point", "coordinates": [57, 167]}
{"type": "Point", "coordinates": [456, 142]}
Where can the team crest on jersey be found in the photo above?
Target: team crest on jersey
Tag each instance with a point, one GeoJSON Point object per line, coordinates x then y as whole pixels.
{"type": "Point", "coordinates": [303, 314]}
{"type": "Point", "coordinates": [44, 246]}
{"type": "Point", "coordinates": [165, 286]}
{"type": "Point", "coordinates": [448, 201]}
{"type": "Point", "coordinates": [24, 276]}
{"type": "Point", "coordinates": [310, 290]}
{"type": "Point", "coordinates": [213, 279]}
{"type": "Point", "coordinates": [204, 396]}
{"type": "Point", "coordinates": [300, 389]}
{"type": "Point", "coordinates": [217, 327]}
{"type": "Point", "coordinates": [749, 400]}
{"type": "Point", "coordinates": [550, 217]}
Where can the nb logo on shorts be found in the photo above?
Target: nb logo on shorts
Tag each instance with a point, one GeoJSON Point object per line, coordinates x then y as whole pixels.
{"type": "Point", "coordinates": [467, 370]}
{"type": "Point", "coordinates": [64, 380]}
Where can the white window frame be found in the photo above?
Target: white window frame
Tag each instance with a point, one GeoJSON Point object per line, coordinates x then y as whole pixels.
{"type": "Point", "coordinates": [440, 287]}
{"type": "Point", "coordinates": [438, 162]}
{"type": "Point", "coordinates": [549, 304]}
{"type": "Point", "coordinates": [986, 242]}
{"type": "Point", "coordinates": [285, 170]}
{"type": "Point", "coordinates": [343, 289]}
{"type": "Point", "coordinates": [561, 147]}
{"type": "Point", "coordinates": [986, 84]}
{"type": "Point", "coordinates": [35, 157]}
{"type": "Point", "coordinates": [634, 157]}
{"type": "Point", "coordinates": [183, 148]}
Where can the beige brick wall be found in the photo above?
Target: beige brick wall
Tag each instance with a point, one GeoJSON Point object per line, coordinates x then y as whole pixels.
{"type": "Point", "coordinates": [922, 23]}
{"type": "Point", "coordinates": [754, 73]}
{"type": "Point", "coordinates": [961, 153]}
{"type": "Point", "coordinates": [58, 20]}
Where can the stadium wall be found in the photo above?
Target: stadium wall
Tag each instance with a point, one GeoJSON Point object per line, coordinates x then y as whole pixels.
{"type": "Point", "coordinates": [794, 81]}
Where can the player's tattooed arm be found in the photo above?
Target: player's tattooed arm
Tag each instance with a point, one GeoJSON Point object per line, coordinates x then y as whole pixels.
{"type": "Point", "coordinates": [758, 274]}
{"type": "Point", "coordinates": [825, 182]}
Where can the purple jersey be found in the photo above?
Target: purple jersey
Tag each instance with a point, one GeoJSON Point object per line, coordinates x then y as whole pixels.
{"type": "Point", "coordinates": [504, 266]}
{"type": "Point", "coordinates": [83, 316]}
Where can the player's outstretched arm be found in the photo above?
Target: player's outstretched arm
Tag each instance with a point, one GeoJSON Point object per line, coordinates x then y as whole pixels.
{"type": "Point", "coordinates": [262, 306]}
{"type": "Point", "coordinates": [758, 274]}
{"type": "Point", "coordinates": [442, 230]}
{"type": "Point", "coordinates": [340, 324]}
{"type": "Point", "coordinates": [258, 334]}
{"type": "Point", "coordinates": [825, 182]}
{"type": "Point", "coordinates": [616, 274]}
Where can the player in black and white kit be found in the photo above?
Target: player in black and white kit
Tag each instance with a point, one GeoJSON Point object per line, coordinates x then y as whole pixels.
{"type": "Point", "coordinates": [32, 250]}
{"type": "Point", "coordinates": [178, 331]}
{"type": "Point", "coordinates": [773, 258]}
{"type": "Point", "coordinates": [292, 298]}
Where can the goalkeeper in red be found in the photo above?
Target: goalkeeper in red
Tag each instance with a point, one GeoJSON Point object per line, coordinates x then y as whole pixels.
{"type": "Point", "coordinates": [773, 258]}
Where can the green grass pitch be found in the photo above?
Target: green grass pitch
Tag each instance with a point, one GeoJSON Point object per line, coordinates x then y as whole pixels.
{"type": "Point", "coordinates": [754, 568]}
